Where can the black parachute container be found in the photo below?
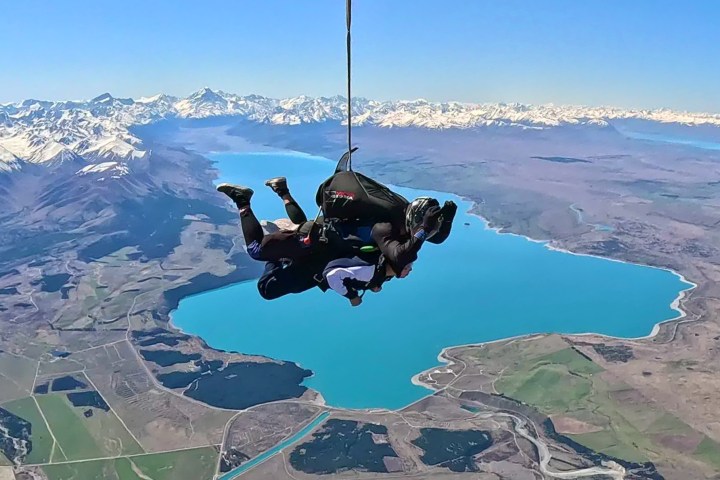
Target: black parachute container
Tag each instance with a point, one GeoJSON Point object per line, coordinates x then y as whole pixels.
{"type": "Point", "coordinates": [352, 197]}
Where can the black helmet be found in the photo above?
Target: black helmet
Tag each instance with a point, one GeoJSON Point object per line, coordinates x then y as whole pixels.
{"type": "Point", "coordinates": [415, 213]}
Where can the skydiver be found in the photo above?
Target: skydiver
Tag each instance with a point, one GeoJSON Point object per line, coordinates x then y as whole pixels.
{"type": "Point", "coordinates": [297, 258]}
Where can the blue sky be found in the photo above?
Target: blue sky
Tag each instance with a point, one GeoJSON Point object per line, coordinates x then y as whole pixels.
{"type": "Point", "coordinates": [639, 53]}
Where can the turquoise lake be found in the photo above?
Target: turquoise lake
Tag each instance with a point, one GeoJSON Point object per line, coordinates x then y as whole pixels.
{"type": "Point", "coordinates": [478, 286]}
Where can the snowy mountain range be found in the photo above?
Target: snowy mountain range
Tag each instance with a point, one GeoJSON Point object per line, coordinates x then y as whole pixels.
{"type": "Point", "coordinates": [96, 133]}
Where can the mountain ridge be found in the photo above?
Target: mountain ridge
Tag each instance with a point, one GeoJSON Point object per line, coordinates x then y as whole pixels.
{"type": "Point", "coordinates": [97, 130]}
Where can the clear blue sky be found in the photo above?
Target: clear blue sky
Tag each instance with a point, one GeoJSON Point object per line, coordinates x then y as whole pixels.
{"type": "Point", "coordinates": [631, 53]}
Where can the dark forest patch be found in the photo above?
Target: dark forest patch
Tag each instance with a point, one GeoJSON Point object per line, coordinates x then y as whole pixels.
{"type": "Point", "coordinates": [15, 441]}
{"type": "Point", "coordinates": [452, 449]}
{"type": "Point", "coordinates": [67, 383]}
{"type": "Point", "coordinates": [88, 399]}
{"type": "Point", "coordinates": [52, 283]}
{"type": "Point", "coordinates": [343, 445]}
{"type": "Point", "coordinates": [166, 358]}
{"type": "Point", "coordinates": [239, 385]}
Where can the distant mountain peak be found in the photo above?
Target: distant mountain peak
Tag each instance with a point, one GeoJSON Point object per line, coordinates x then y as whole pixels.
{"type": "Point", "coordinates": [31, 102]}
{"type": "Point", "coordinates": [160, 97]}
{"type": "Point", "coordinates": [104, 98]}
{"type": "Point", "coordinates": [206, 94]}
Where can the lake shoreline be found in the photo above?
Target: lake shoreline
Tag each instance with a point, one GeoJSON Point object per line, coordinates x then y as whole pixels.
{"type": "Point", "coordinates": [675, 305]}
{"type": "Point", "coordinates": [445, 361]}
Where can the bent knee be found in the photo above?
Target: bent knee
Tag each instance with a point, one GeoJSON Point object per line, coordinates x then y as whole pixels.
{"type": "Point", "coordinates": [267, 289]}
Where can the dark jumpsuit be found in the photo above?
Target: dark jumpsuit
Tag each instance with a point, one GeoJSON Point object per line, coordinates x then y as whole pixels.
{"type": "Point", "coordinates": [308, 260]}
{"type": "Point", "coordinates": [303, 264]}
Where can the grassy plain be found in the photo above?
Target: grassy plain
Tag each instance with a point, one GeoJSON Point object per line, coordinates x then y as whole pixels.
{"type": "Point", "coordinates": [563, 382]}
{"type": "Point", "coordinates": [16, 376]}
{"type": "Point", "coordinates": [80, 438]}
{"type": "Point", "coordinates": [196, 464]}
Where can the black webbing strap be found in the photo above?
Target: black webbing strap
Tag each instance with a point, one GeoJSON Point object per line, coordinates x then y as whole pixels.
{"type": "Point", "coordinates": [348, 15]}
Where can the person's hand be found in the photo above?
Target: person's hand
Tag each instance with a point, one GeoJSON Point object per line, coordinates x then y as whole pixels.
{"type": "Point", "coordinates": [448, 210]}
{"type": "Point", "coordinates": [430, 220]}
{"type": "Point", "coordinates": [376, 289]}
{"type": "Point", "coordinates": [355, 301]}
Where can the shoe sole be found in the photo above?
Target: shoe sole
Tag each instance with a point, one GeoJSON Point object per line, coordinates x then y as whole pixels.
{"type": "Point", "coordinates": [269, 183]}
{"type": "Point", "coordinates": [218, 188]}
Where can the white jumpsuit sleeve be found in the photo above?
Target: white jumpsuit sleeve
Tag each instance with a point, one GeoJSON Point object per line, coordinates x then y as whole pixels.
{"type": "Point", "coordinates": [336, 277]}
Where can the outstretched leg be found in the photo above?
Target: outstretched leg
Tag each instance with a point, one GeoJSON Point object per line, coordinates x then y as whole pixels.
{"type": "Point", "coordinates": [284, 244]}
{"type": "Point", "coordinates": [295, 213]}
{"type": "Point", "coordinates": [251, 228]}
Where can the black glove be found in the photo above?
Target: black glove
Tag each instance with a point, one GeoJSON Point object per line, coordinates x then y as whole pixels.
{"type": "Point", "coordinates": [448, 211]}
{"type": "Point", "coordinates": [351, 293]}
{"type": "Point", "coordinates": [430, 219]}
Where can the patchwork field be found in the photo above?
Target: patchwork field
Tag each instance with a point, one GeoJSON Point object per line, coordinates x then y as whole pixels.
{"type": "Point", "coordinates": [196, 464]}
{"type": "Point", "coordinates": [80, 437]}
{"type": "Point", "coordinates": [592, 407]}
{"type": "Point", "coordinates": [16, 377]}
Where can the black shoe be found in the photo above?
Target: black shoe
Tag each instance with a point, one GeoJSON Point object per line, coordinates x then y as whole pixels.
{"type": "Point", "coordinates": [238, 194]}
{"type": "Point", "coordinates": [278, 185]}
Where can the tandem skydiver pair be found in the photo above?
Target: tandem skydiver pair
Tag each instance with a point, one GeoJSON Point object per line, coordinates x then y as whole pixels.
{"type": "Point", "coordinates": [366, 235]}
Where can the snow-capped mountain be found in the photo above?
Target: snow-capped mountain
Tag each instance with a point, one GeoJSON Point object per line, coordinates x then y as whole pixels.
{"type": "Point", "coordinates": [97, 131]}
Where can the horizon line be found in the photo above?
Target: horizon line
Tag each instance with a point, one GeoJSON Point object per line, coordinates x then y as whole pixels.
{"type": "Point", "coordinates": [419, 99]}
